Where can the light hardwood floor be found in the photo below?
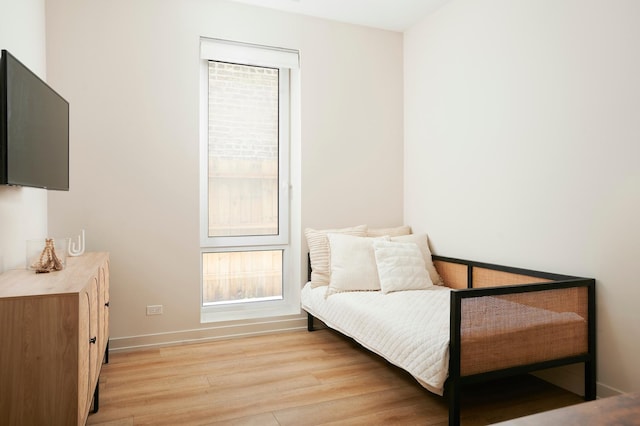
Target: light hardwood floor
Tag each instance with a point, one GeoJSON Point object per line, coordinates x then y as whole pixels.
{"type": "Point", "coordinates": [294, 378]}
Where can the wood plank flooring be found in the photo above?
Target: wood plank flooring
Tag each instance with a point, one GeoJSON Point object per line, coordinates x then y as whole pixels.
{"type": "Point", "coordinates": [294, 378]}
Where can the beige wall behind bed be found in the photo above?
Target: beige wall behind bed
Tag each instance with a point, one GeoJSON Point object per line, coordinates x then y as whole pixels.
{"type": "Point", "coordinates": [522, 130]}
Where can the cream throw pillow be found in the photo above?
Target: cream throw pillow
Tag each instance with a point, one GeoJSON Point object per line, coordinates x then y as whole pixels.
{"type": "Point", "coordinates": [319, 251]}
{"type": "Point", "coordinates": [401, 267]}
{"type": "Point", "coordinates": [353, 264]}
{"type": "Point", "coordinates": [423, 243]}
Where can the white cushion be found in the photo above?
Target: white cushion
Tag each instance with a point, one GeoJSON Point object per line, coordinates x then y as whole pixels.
{"type": "Point", "coordinates": [391, 232]}
{"type": "Point", "coordinates": [319, 251]}
{"type": "Point", "coordinates": [353, 264]}
{"type": "Point", "coordinates": [423, 243]}
{"type": "Point", "coordinates": [401, 267]}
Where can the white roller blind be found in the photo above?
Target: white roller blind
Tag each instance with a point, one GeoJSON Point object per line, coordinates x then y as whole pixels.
{"type": "Point", "coordinates": [249, 54]}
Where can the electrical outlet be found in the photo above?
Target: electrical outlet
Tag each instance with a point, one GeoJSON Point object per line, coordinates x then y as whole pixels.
{"type": "Point", "coordinates": [154, 309]}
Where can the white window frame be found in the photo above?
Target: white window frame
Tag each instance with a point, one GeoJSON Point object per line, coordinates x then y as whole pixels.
{"type": "Point", "coordinates": [288, 238]}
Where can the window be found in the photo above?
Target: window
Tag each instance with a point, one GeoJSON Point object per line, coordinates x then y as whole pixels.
{"type": "Point", "coordinates": [247, 116]}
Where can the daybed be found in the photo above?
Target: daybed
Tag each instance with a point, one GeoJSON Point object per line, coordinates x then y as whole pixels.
{"type": "Point", "coordinates": [467, 322]}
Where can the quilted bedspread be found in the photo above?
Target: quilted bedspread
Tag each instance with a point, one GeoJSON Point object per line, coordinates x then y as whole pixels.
{"type": "Point", "coordinates": [410, 329]}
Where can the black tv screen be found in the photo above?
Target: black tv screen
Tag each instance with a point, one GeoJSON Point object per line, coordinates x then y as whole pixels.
{"type": "Point", "coordinates": [34, 129]}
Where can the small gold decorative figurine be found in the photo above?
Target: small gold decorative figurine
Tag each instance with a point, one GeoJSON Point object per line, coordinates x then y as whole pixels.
{"type": "Point", "coordinates": [48, 260]}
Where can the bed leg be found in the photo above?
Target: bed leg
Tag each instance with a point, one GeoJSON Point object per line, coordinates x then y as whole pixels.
{"type": "Point", "coordinates": [310, 322]}
{"type": "Point", "coordinates": [589, 380]}
{"type": "Point", "coordinates": [453, 394]}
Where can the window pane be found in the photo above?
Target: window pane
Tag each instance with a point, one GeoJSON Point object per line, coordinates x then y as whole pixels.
{"type": "Point", "coordinates": [243, 150]}
{"type": "Point", "coordinates": [246, 276]}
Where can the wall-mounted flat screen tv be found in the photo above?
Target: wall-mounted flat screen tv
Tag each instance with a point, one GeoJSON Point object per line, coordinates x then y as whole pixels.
{"type": "Point", "coordinates": [34, 129]}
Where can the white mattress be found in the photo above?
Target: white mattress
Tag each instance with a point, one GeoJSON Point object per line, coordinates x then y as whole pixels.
{"type": "Point", "coordinates": [408, 328]}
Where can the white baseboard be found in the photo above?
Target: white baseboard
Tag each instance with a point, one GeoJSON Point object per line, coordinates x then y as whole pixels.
{"type": "Point", "coordinates": [605, 391]}
{"type": "Point", "coordinates": [224, 331]}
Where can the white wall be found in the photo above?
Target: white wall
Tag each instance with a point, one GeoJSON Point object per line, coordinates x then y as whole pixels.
{"type": "Point", "coordinates": [130, 71]}
{"type": "Point", "coordinates": [522, 125]}
{"type": "Point", "coordinates": [23, 211]}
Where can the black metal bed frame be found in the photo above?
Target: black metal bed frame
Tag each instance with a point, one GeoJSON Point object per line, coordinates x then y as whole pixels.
{"type": "Point", "coordinates": [455, 381]}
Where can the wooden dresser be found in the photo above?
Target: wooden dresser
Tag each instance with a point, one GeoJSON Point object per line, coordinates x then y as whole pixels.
{"type": "Point", "coordinates": [54, 332]}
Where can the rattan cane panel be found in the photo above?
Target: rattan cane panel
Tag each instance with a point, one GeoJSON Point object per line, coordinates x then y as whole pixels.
{"type": "Point", "coordinates": [454, 275]}
{"type": "Point", "coordinates": [483, 277]}
{"type": "Point", "coordinates": [573, 299]}
{"type": "Point", "coordinates": [497, 333]}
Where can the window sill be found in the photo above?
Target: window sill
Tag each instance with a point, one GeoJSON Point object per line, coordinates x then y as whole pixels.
{"type": "Point", "coordinates": [236, 312]}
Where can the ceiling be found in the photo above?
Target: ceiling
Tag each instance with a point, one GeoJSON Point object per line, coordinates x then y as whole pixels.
{"type": "Point", "coordinates": [394, 15]}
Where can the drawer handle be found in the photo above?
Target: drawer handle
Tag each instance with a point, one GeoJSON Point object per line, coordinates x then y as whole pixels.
{"type": "Point", "coordinates": [106, 304]}
{"type": "Point", "coordinates": [93, 340]}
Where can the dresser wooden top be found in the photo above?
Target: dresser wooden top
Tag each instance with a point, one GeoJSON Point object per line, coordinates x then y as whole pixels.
{"type": "Point", "coordinates": [23, 282]}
